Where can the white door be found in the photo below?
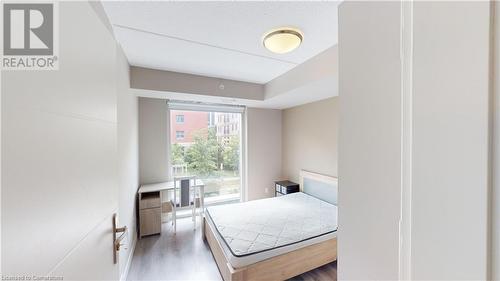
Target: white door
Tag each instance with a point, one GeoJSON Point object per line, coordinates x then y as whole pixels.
{"type": "Point", "coordinates": [59, 183]}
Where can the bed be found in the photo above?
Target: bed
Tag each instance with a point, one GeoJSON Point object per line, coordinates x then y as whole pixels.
{"type": "Point", "coordinates": [275, 238]}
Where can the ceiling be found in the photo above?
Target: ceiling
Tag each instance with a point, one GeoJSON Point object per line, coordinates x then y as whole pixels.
{"type": "Point", "coordinates": [219, 39]}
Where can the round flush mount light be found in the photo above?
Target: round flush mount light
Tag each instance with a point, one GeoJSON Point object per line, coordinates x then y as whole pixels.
{"type": "Point", "coordinates": [283, 40]}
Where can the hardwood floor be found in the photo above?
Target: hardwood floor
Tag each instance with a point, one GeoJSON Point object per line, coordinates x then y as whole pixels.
{"type": "Point", "coordinates": [326, 272]}
{"type": "Point", "coordinates": [186, 256]}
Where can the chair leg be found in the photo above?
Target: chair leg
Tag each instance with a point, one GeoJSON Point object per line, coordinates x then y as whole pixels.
{"type": "Point", "coordinates": [193, 210]}
{"type": "Point", "coordinates": [199, 210]}
{"type": "Point", "coordinates": [175, 220]}
{"type": "Point", "coordinates": [192, 213]}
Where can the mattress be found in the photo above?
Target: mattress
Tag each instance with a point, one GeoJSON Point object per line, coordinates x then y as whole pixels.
{"type": "Point", "coordinates": [253, 231]}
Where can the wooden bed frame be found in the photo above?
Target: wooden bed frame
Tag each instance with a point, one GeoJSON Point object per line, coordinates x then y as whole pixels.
{"type": "Point", "coordinates": [279, 267]}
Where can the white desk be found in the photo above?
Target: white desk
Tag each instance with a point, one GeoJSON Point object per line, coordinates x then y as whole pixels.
{"type": "Point", "coordinates": [169, 185]}
{"type": "Point", "coordinates": [150, 207]}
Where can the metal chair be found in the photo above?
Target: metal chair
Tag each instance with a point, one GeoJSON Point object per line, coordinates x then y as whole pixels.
{"type": "Point", "coordinates": [187, 197]}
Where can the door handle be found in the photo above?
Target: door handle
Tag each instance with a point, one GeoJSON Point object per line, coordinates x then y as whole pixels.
{"type": "Point", "coordinates": [117, 240]}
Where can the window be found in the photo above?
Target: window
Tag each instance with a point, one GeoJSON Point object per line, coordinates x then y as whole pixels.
{"type": "Point", "coordinates": [179, 119]}
{"type": "Point", "coordinates": [179, 135]}
{"type": "Point", "coordinates": [208, 146]}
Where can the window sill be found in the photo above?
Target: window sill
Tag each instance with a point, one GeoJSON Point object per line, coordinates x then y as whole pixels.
{"type": "Point", "coordinates": [185, 212]}
{"type": "Point", "coordinates": [222, 199]}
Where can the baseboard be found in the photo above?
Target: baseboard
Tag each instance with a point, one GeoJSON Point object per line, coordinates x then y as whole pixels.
{"type": "Point", "coordinates": [123, 276]}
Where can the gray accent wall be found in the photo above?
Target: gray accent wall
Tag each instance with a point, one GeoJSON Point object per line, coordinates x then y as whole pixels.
{"type": "Point", "coordinates": [153, 140]}
{"type": "Point", "coordinates": [168, 81]}
{"type": "Point", "coordinates": [263, 147]}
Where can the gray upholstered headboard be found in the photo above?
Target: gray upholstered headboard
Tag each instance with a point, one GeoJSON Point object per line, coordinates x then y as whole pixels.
{"type": "Point", "coordinates": [320, 186]}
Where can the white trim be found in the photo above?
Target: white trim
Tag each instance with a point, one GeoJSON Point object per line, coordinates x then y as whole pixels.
{"type": "Point", "coordinates": [169, 142]}
{"type": "Point", "coordinates": [194, 106]}
{"type": "Point", "coordinates": [405, 222]}
{"type": "Point", "coordinates": [124, 276]}
{"type": "Point", "coordinates": [244, 192]}
{"type": "Point", "coordinates": [494, 257]}
{"type": "Point", "coordinates": [243, 157]}
{"type": "Point", "coordinates": [197, 106]}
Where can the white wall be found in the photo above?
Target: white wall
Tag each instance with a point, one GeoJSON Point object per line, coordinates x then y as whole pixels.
{"type": "Point", "coordinates": [263, 146]}
{"type": "Point", "coordinates": [309, 139]}
{"type": "Point", "coordinates": [450, 143]}
{"type": "Point", "coordinates": [128, 159]}
{"type": "Point", "coordinates": [369, 164]}
{"type": "Point", "coordinates": [153, 140]}
{"type": "Point", "coordinates": [495, 216]}
{"type": "Point", "coordinates": [323, 66]}
{"type": "Point", "coordinates": [59, 135]}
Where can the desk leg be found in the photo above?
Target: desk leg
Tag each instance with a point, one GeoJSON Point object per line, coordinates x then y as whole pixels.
{"type": "Point", "coordinates": [202, 190]}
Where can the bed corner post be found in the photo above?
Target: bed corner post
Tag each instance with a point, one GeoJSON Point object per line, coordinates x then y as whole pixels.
{"type": "Point", "coordinates": [236, 274]}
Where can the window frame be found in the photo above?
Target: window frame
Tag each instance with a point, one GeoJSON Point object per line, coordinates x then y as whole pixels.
{"type": "Point", "coordinates": [235, 109]}
{"type": "Point", "coordinates": [177, 118]}
{"type": "Point", "coordinates": [177, 136]}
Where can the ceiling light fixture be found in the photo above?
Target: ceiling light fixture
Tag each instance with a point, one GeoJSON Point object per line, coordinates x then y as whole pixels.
{"type": "Point", "coordinates": [283, 40]}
